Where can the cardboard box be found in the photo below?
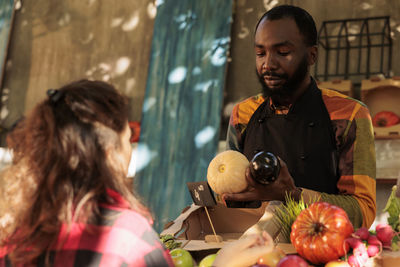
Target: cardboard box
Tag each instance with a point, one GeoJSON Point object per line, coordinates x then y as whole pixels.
{"type": "Point", "coordinates": [192, 225]}
{"type": "Point", "coordinates": [382, 95]}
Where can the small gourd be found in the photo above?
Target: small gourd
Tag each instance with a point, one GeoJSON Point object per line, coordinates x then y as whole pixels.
{"type": "Point", "coordinates": [227, 172]}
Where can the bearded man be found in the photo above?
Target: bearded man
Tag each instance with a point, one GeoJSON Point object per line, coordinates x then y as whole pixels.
{"type": "Point", "coordinates": [324, 139]}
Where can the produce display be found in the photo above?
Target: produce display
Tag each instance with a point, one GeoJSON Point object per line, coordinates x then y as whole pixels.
{"type": "Point", "coordinates": [321, 235]}
{"type": "Point", "coordinates": [319, 231]}
{"type": "Point", "coordinates": [345, 249]}
{"type": "Point", "coordinates": [226, 172]}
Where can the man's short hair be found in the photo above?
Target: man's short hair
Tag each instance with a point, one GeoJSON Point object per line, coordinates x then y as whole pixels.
{"type": "Point", "coordinates": [303, 19]}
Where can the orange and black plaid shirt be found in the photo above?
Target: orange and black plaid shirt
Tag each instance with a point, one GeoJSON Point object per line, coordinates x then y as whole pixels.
{"type": "Point", "coordinates": [354, 137]}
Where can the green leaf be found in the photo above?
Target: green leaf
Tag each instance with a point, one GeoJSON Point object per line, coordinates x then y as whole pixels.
{"type": "Point", "coordinates": [169, 241]}
{"type": "Point", "coordinates": [286, 214]}
{"type": "Point", "coordinates": [395, 246]}
{"type": "Point", "coordinates": [393, 209]}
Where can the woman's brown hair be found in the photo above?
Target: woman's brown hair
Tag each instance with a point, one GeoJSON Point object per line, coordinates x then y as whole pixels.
{"type": "Point", "coordinates": [60, 170]}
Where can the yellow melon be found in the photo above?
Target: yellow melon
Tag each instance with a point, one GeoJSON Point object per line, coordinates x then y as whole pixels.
{"type": "Point", "coordinates": [226, 172]}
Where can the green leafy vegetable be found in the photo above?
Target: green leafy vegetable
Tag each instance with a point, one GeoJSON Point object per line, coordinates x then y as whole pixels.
{"type": "Point", "coordinates": [286, 214]}
{"type": "Point", "coordinates": [169, 241]}
{"type": "Point", "coordinates": [393, 209]}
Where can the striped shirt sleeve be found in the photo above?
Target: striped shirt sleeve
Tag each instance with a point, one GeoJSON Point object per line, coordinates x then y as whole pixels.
{"type": "Point", "coordinates": [238, 121]}
{"type": "Point", "coordinates": [357, 165]}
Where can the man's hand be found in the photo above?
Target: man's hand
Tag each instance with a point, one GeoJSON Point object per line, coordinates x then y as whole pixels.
{"type": "Point", "coordinates": [273, 191]}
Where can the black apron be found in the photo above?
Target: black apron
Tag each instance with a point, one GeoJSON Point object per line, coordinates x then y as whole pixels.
{"type": "Point", "coordinates": [303, 138]}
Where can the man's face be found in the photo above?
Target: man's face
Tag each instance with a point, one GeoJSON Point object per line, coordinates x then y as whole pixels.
{"type": "Point", "coordinates": [282, 57]}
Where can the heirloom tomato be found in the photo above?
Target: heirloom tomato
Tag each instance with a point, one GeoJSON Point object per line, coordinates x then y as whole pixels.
{"type": "Point", "coordinates": [318, 233]}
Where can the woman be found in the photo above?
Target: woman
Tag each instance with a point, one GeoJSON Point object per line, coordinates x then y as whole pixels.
{"type": "Point", "coordinates": [65, 200]}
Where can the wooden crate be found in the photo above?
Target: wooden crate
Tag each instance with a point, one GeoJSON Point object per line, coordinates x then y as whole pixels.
{"type": "Point", "coordinates": [342, 86]}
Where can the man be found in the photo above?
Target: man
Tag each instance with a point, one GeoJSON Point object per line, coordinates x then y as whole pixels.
{"type": "Point", "coordinates": [324, 139]}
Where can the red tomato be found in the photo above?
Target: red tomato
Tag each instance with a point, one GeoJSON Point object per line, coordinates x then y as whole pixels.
{"type": "Point", "coordinates": [319, 231]}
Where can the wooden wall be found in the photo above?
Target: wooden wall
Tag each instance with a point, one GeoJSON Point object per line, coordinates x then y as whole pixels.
{"type": "Point", "coordinates": [55, 42]}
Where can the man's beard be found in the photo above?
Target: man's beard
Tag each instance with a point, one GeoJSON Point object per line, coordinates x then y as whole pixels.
{"type": "Point", "coordinates": [283, 93]}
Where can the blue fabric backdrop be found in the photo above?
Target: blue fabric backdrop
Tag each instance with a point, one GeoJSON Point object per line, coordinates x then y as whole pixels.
{"type": "Point", "coordinates": [6, 10]}
{"type": "Point", "coordinates": [183, 101]}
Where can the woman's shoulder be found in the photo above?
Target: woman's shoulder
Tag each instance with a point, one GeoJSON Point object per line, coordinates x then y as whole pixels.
{"type": "Point", "coordinates": [116, 235]}
{"type": "Point", "coordinates": [128, 219]}
{"type": "Point", "coordinates": [133, 238]}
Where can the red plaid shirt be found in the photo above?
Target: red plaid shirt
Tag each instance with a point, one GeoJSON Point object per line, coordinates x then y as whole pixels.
{"type": "Point", "coordinates": [119, 237]}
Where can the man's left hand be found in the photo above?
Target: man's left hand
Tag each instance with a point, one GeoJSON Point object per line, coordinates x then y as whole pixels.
{"type": "Point", "coordinates": [276, 190]}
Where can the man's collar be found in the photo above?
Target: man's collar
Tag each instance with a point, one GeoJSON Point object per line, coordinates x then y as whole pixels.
{"type": "Point", "coordinates": [284, 109]}
{"type": "Point", "coordinates": [278, 109]}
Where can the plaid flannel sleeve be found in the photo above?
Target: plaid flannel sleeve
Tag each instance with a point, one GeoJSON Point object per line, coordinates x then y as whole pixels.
{"type": "Point", "coordinates": [238, 121]}
{"type": "Point", "coordinates": [357, 164]}
{"type": "Point", "coordinates": [233, 135]}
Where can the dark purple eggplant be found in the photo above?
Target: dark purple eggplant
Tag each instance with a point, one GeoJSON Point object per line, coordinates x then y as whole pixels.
{"type": "Point", "coordinates": [265, 167]}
